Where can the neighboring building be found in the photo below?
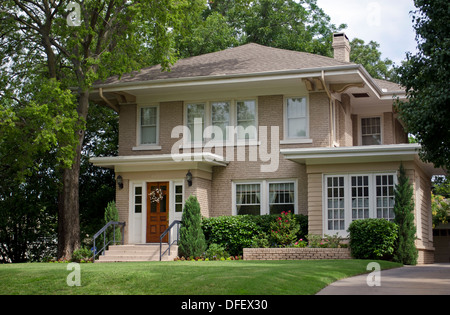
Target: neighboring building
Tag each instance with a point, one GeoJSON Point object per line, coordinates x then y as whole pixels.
{"type": "Point", "coordinates": [306, 133]}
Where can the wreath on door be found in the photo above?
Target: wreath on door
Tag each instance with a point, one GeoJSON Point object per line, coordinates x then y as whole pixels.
{"type": "Point", "coordinates": [156, 195]}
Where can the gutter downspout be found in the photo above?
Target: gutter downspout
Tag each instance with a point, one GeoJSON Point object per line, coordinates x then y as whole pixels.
{"type": "Point", "coordinates": [111, 105]}
{"type": "Point", "coordinates": [332, 122]}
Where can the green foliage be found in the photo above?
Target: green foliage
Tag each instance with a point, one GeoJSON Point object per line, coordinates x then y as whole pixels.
{"type": "Point", "coordinates": [369, 56]}
{"type": "Point", "coordinates": [440, 208]}
{"type": "Point", "coordinates": [405, 251]}
{"type": "Point", "coordinates": [82, 255]}
{"type": "Point", "coordinates": [216, 252]}
{"type": "Point", "coordinates": [112, 214]}
{"type": "Point", "coordinates": [192, 239]}
{"type": "Point", "coordinates": [244, 231]}
{"type": "Point", "coordinates": [284, 230]}
{"type": "Point", "coordinates": [232, 232]}
{"type": "Point", "coordinates": [425, 75]}
{"type": "Point", "coordinates": [372, 238]}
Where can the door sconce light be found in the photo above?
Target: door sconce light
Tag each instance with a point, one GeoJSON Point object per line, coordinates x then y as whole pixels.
{"type": "Point", "coordinates": [189, 178]}
{"type": "Point", "coordinates": [120, 181]}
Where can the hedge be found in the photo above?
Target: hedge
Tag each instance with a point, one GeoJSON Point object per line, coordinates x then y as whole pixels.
{"type": "Point", "coordinates": [236, 232]}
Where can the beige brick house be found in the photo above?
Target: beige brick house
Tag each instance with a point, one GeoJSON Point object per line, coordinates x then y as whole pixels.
{"type": "Point", "coordinates": [262, 130]}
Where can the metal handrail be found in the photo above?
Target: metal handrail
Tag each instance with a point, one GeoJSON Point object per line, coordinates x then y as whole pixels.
{"type": "Point", "coordinates": [103, 230]}
{"type": "Point", "coordinates": [177, 223]}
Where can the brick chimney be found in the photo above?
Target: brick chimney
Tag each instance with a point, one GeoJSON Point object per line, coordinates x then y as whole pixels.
{"type": "Point", "coordinates": [341, 46]}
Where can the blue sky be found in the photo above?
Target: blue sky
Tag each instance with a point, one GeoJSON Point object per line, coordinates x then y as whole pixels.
{"type": "Point", "coordinates": [387, 22]}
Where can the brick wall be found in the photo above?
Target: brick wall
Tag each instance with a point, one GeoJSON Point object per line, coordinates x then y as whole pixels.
{"type": "Point", "coordinates": [296, 253]}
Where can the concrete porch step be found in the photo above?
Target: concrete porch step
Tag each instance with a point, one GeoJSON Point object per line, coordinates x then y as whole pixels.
{"type": "Point", "coordinates": [139, 252]}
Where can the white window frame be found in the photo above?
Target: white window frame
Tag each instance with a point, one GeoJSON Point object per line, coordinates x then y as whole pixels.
{"type": "Point", "coordinates": [140, 145]}
{"type": "Point", "coordinates": [287, 139]}
{"type": "Point", "coordinates": [264, 193]}
{"type": "Point", "coordinates": [348, 199]}
{"type": "Point", "coordinates": [361, 128]}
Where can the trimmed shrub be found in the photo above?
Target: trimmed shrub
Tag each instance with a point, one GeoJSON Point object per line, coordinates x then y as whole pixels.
{"type": "Point", "coordinates": [373, 238]}
{"type": "Point", "coordinates": [192, 240]}
{"type": "Point", "coordinates": [231, 232]}
{"type": "Point", "coordinates": [238, 232]}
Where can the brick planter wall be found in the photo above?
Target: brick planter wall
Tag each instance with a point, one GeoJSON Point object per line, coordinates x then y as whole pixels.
{"type": "Point", "coordinates": [296, 253]}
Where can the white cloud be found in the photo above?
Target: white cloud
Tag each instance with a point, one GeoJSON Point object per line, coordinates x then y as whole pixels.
{"type": "Point", "coordinates": [387, 22]}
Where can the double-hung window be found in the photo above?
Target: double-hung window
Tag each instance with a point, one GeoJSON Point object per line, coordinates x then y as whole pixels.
{"type": "Point", "coordinates": [220, 119]}
{"type": "Point", "coordinates": [296, 118]}
{"type": "Point", "coordinates": [281, 197]}
{"type": "Point", "coordinates": [149, 125]}
{"type": "Point", "coordinates": [246, 120]}
{"type": "Point", "coordinates": [196, 114]}
{"type": "Point", "coordinates": [265, 197]}
{"type": "Point", "coordinates": [248, 199]}
{"type": "Point", "coordinates": [352, 197]}
{"type": "Point", "coordinates": [371, 131]}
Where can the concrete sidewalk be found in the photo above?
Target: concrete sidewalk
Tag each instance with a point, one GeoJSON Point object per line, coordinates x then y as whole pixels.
{"type": "Point", "coordinates": [409, 280]}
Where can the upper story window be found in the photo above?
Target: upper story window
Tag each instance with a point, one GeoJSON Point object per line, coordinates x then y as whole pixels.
{"type": "Point", "coordinates": [196, 114]}
{"type": "Point", "coordinates": [230, 120]}
{"type": "Point", "coordinates": [371, 131]}
{"type": "Point", "coordinates": [296, 118]}
{"type": "Point", "coordinates": [149, 125]}
{"type": "Point", "coordinates": [246, 120]}
{"type": "Point", "coordinates": [220, 118]}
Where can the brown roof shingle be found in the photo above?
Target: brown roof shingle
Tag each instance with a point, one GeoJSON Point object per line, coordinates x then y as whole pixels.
{"type": "Point", "coordinates": [245, 59]}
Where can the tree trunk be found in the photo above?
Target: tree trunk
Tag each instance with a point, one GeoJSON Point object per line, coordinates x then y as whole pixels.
{"type": "Point", "coordinates": [68, 208]}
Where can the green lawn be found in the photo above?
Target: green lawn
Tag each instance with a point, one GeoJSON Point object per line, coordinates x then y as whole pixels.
{"type": "Point", "coordinates": [182, 277]}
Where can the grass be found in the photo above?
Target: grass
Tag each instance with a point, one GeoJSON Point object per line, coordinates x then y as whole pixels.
{"type": "Point", "coordinates": [181, 277]}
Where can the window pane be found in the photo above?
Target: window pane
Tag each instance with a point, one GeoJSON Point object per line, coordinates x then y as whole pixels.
{"type": "Point", "coordinates": [385, 197]}
{"type": "Point", "coordinates": [148, 135]}
{"type": "Point", "coordinates": [246, 119]}
{"type": "Point", "coordinates": [281, 197]}
{"type": "Point", "coordinates": [296, 117]}
{"type": "Point", "coordinates": [360, 197]}
{"type": "Point", "coordinates": [335, 203]}
{"type": "Point", "coordinates": [220, 112]}
{"type": "Point", "coordinates": [248, 199]}
{"type": "Point", "coordinates": [196, 121]}
{"type": "Point", "coordinates": [371, 131]}
{"type": "Point", "coordinates": [148, 125]}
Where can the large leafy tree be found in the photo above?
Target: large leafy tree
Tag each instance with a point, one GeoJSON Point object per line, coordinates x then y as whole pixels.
{"type": "Point", "coordinates": [426, 76]}
{"type": "Point", "coordinates": [53, 45]}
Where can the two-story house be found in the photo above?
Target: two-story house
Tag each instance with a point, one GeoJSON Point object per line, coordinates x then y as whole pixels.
{"type": "Point", "coordinates": [259, 130]}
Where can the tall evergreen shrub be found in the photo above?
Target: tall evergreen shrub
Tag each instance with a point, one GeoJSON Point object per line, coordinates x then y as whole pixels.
{"type": "Point", "coordinates": [406, 251]}
{"type": "Point", "coordinates": [112, 214]}
{"type": "Point", "coordinates": [192, 239]}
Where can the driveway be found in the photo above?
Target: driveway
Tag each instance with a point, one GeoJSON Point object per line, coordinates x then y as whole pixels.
{"type": "Point", "coordinates": [409, 280]}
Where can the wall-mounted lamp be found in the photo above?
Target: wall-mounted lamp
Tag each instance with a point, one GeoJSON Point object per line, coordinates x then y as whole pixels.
{"type": "Point", "coordinates": [120, 181]}
{"type": "Point", "coordinates": [189, 178]}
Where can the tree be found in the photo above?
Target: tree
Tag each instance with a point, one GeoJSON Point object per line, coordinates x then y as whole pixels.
{"type": "Point", "coordinates": [405, 250]}
{"type": "Point", "coordinates": [369, 56]}
{"type": "Point", "coordinates": [426, 112]}
{"type": "Point", "coordinates": [192, 238]}
{"type": "Point", "coordinates": [70, 44]}
{"type": "Point", "coordinates": [293, 25]}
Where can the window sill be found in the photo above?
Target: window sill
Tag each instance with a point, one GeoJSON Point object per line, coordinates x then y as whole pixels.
{"type": "Point", "coordinates": [297, 141]}
{"type": "Point", "coordinates": [147, 148]}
